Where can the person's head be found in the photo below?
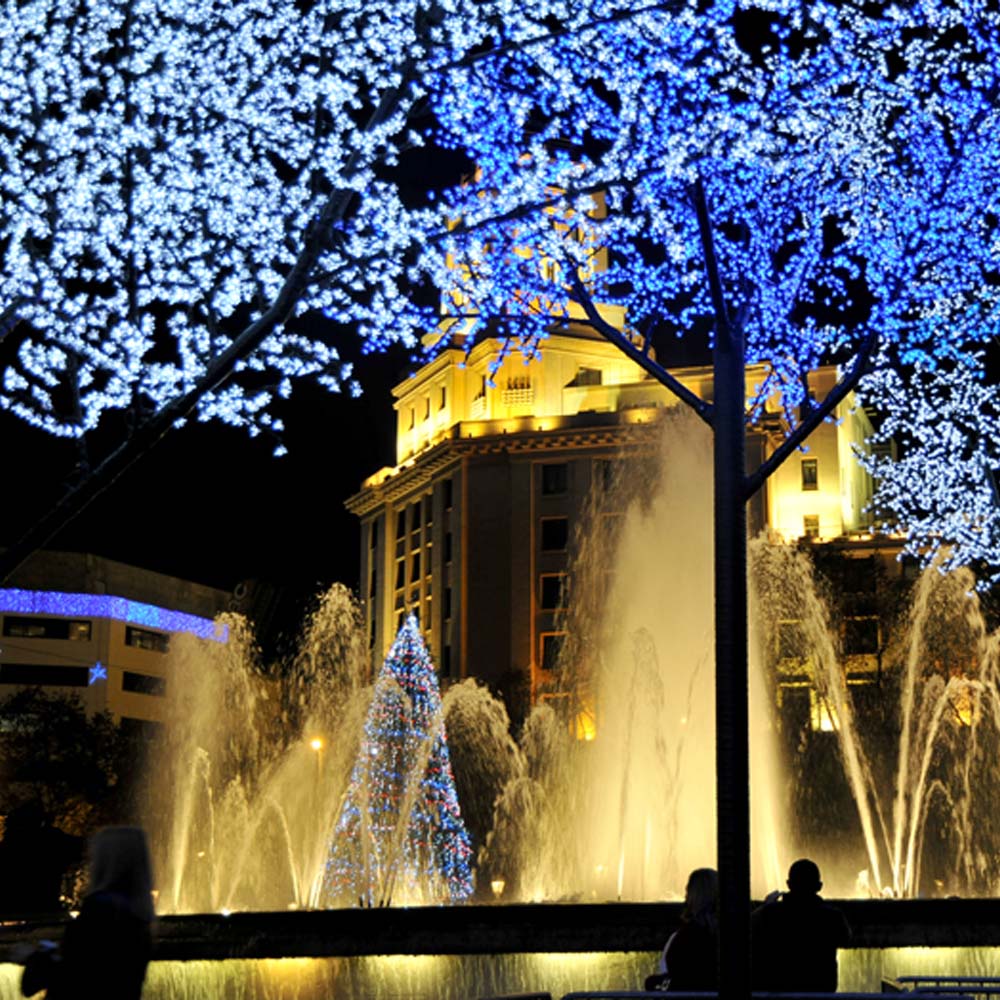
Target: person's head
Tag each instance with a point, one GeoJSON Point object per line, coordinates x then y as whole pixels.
{"type": "Point", "coordinates": [120, 865]}
{"type": "Point", "coordinates": [803, 878]}
{"type": "Point", "coordinates": [701, 897]}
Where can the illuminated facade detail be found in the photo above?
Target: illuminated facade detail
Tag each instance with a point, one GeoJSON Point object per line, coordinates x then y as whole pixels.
{"type": "Point", "coordinates": [119, 609]}
{"type": "Point", "coordinates": [473, 529]}
{"type": "Point", "coordinates": [103, 637]}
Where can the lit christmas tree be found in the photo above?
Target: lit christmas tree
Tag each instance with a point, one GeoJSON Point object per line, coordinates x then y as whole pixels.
{"type": "Point", "coordinates": [400, 834]}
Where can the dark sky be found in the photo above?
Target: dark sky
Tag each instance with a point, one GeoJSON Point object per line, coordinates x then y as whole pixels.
{"type": "Point", "coordinates": [210, 504]}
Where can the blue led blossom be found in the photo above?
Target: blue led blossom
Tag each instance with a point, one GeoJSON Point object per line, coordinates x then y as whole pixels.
{"type": "Point", "coordinates": [120, 609]}
{"type": "Point", "coordinates": [846, 156]}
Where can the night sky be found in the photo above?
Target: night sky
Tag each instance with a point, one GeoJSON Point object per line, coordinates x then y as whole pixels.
{"type": "Point", "coordinates": [210, 504]}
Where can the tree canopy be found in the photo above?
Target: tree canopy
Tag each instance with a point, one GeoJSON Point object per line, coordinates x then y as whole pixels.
{"type": "Point", "coordinates": [183, 185]}
{"type": "Point", "coordinates": [843, 159]}
{"type": "Point", "coordinates": [174, 173]}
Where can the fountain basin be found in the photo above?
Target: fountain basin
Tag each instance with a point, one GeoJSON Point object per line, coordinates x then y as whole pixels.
{"type": "Point", "coordinates": [551, 928]}
{"type": "Point", "coordinates": [459, 953]}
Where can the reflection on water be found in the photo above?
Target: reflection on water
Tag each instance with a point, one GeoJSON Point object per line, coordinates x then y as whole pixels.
{"type": "Point", "coordinates": [865, 968]}
{"type": "Point", "coordinates": [461, 977]}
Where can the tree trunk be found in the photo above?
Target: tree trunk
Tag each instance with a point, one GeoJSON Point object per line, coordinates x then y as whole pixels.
{"type": "Point", "coordinates": [731, 688]}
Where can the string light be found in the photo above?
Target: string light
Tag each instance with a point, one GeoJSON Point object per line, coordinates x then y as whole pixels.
{"type": "Point", "coordinates": [120, 609]}
{"type": "Point", "coordinates": [400, 834]}
{"type": "Point", "coordinates": [163, 164]}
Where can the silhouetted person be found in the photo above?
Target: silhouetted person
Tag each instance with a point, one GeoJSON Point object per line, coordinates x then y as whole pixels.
{"type": "Point", "coordinates": [106, 949]}
{"type": "Point", "coordinates": [796, 936]}
{"type": "Point", "coordinates": [34, 857]}
{"type": "Point", "coordinates": [690, 958]}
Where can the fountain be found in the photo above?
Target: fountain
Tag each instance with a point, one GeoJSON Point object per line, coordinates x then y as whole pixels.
{"type": "Point", "coordinates": [248, 796]}
{"type": "Point", "coordinates": [245, 786]}
{"type": "Point", "coordinates": [921, 766]}
{"type": "Point", "coordinates": [255, 771]}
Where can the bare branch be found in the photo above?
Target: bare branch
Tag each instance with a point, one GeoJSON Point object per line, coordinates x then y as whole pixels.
{"type": "Point", "coordinates": [640, 357]}
{"type": "Point", "coordinates": [816, 416]}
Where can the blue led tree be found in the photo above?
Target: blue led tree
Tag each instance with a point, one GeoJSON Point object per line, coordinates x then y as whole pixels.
{"type": "Point", "coordinates": [805, 183]}
{"type": "Point", "coordinates": [183, 183]}
{"type": "Point", "coordinates": [400, 834]}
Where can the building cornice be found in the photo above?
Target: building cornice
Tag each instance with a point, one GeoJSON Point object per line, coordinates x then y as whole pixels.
{"type": "Point", "coordinates": [467, 439]}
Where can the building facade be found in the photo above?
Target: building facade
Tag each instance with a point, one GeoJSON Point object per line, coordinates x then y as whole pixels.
{"type": "Point", "coordinates": [100, 630]}
{"type": "Point", "coordinates": [473, 528]}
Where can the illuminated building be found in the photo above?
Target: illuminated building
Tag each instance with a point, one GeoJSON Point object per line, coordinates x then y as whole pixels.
{"type": "Point", "coordinates": [472, 528]}
{"type": "Point", "coordinates": [100, 630]}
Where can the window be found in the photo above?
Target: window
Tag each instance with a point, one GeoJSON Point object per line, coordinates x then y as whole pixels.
{"type": "Point", "coordinates": [143, 683]}
{"type": "Point", "coordinates": [46, 628]}
{"type": "Point", "coordinates": [810, 526]}
{"type": "Point", "coordinates": [44, 675]}
{"type": "Point", "coordinates": [555, 478]}
{"type": "Point", "coordinates": [415, 517]}
{"type": "Point", "coordinates": [415, 568]}
{"type": "Point", "coordinates": [443, 398]}
{"type": "Point", "coordinates": [552, 644]}
{"type": "Point", "coordinates": [553, 591]}
{"type": "Point", "coordinates": [606, 473]}
{"type": "Point", "coordinates": [373, 535]}
{"type": "Point", "coordinates": [792, 641]}
{"type": "Point", "coordinates": [446, 609]}
{"type": "Point", "coordinates": [810, 474]}
{"type": "Point", "coordinates": [555, 534]}
{"type": "Point", "coordinates": [427, 407]}
{"type": "Point", "coordinates": [413, 417]}
{"type": "Point", "coordinates": [447, 547]}
{"type": "Point", "coordinates": [142, 638]}
{"type": "Point", "coordinates": [400, 524]}
{"type": "Point", "coordinates": [428, 511]}
{"type": "Point", "coordinates": [588, 376]}
{"type": "Point", "coordinates": [373, 584]}
{"type": "Point", "coordinates": [400, 573]}
{"type": "Point", "coordinates": [446, 661]}
{"type": "Point", "coordinates": [448, 494]}
{"type": "Point", "coordinates": [861, 636]}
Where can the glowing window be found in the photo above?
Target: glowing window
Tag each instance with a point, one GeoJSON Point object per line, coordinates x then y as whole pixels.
{"type": "Point", "coordinates": [810, 526]}
{"type": "Point", "coordinates": [46, 628]}
{"type": "Point", "coordinates": [810, 474]}
{"type": "Point", "coordinates": [142, 638]}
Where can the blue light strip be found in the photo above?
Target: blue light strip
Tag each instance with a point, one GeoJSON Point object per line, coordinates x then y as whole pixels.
{"type": "Point", "coordinates": [52, 602]}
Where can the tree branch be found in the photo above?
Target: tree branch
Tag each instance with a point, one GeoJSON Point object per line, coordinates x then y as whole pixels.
{"type": "Point", "coordinates": [640, 357]}
{"type": "Point", "coordinates": [817, 415]}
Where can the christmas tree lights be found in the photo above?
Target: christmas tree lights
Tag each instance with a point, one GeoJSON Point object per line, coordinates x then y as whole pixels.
{"type": "Point", "coordinates": [400, 836]}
